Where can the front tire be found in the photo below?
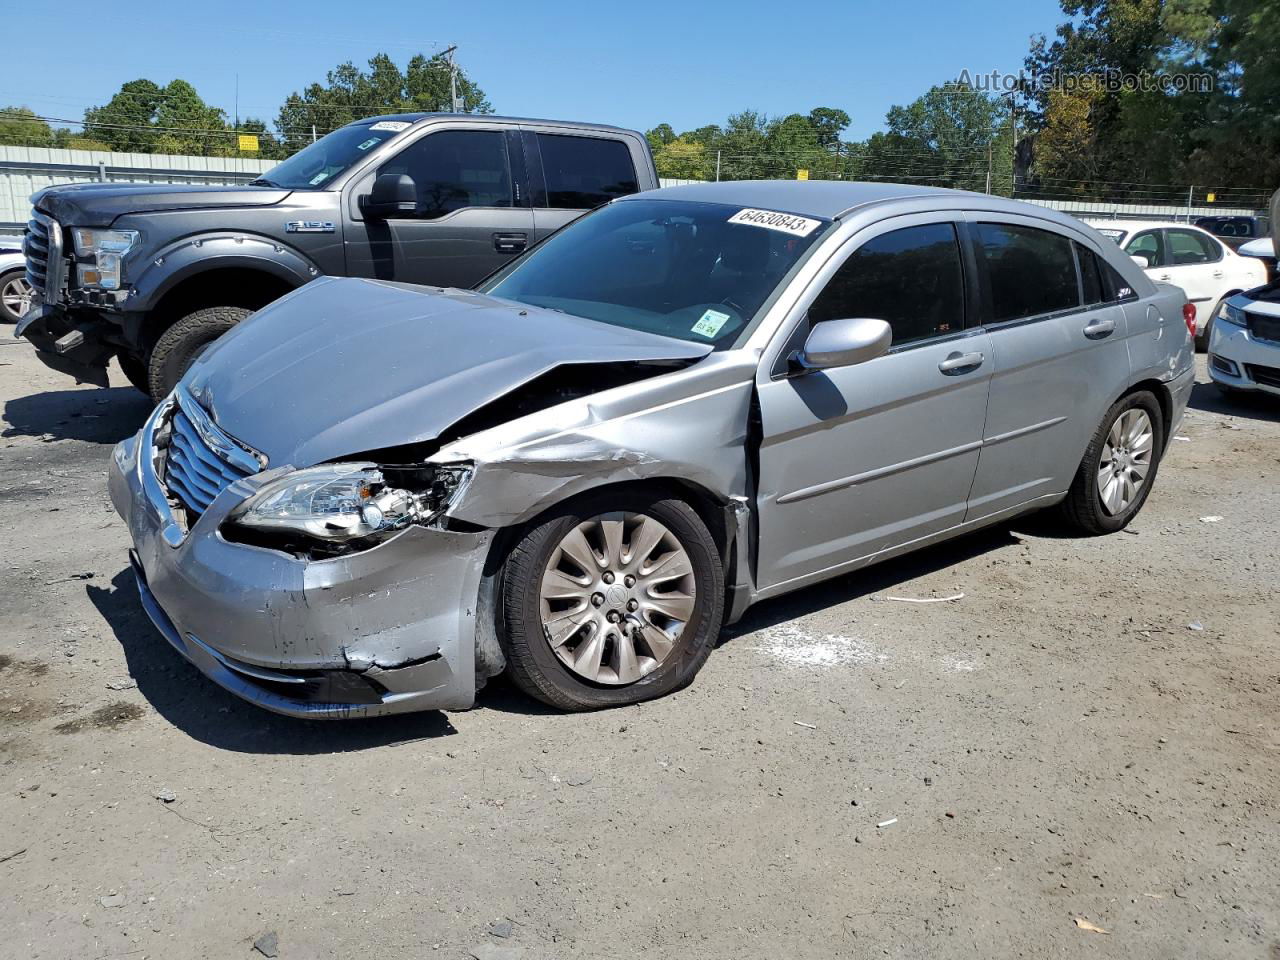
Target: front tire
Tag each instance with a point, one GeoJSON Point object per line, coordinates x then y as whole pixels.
{"type": "Point", "coordinates": [610, 602]}
{"type": "Point", "coordinates": [1119, 466]}
{"type": "Point", "coordinates": [180, 345]}
{"type": "Point", "coordinates": [135, 371]}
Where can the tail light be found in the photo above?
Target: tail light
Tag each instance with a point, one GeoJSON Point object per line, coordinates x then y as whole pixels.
{"type": "Point", "coordinates": [1189, 317]}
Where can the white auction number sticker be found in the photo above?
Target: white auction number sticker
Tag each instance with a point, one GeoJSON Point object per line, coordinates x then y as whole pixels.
{"type": "Point", "coordinates": [773, 220]}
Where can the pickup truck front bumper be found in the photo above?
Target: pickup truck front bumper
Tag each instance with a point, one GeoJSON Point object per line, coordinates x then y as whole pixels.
{"type": "Point", "coordinates": [78, 343]}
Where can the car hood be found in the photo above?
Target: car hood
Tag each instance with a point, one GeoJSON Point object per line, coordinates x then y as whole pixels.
{"type": "Point", "coordinates": [343, 366]}
{"type": "Point", "coordinates": [99, 204]}
{"type": "Point", "coordinates": [1262, 247]}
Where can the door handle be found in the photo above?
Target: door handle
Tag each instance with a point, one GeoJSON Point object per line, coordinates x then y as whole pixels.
{"type": "Point", "coordinates": [961, 362]}
{"type": "Point", "coordinates": [510, 242]}
{"type": "Point", "coordinates": [1218, 274]}
{"type": "Point", "coordinates": [1099, 329]}
{"type": "Point", "coordinates": [1164, 276]}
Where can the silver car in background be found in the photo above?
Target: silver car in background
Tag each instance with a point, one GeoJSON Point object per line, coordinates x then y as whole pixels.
{"type": "Point", "coordinates": [370, 497]}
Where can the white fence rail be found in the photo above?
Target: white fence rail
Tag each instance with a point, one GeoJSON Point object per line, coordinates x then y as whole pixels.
{"type": "Point", "coordinates": [24, 170]}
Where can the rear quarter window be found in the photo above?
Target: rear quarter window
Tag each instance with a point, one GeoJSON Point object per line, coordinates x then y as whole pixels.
{"type": "Point", "coordinates": [584, 172]}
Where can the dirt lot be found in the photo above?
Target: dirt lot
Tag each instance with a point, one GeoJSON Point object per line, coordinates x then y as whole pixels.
{"type": "Point", "coordinates": [1091, 732]}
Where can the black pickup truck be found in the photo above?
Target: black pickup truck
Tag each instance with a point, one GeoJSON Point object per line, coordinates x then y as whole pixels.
{"type": "Point", "coordinates": [152, 274]}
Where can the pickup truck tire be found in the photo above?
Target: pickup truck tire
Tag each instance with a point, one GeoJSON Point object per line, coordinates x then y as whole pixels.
{"type": "Point", "coordinates": [135, 370]}
{"type": "Point", "coordinates": [554, 608]}
{"type": "Point", "coordinates": [179, 346]}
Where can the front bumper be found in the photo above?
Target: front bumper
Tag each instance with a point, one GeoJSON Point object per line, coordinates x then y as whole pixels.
{"type": "Point", "coordinates": [77, 343]}
{"type": "Point", "coordinates": [1240, 360]}
{"type": "Point", "coordinates": [388, 630]}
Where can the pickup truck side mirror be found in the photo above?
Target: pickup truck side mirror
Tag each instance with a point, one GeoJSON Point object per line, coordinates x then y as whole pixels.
{"type": "Point", "coordinates": [842, 343]}
{"type": "Point", "coordinates": [393, 195]}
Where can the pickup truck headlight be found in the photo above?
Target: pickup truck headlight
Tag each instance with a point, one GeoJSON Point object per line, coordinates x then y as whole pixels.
{"type": "Point", "coordinates": [345, 501]}
{"type": "Point", "coordinates": [1234, 315]}
{"type": "Point", "coordinates": [108, 248]}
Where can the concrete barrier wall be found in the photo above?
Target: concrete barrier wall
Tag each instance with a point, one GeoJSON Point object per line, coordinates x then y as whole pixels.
{"type": "Point", "coordinates": [24, 170]}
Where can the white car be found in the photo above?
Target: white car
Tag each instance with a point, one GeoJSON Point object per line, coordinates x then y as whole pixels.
{"type": "Point", "coordinates": [15, 292]}
{"type": "Point", "coordinates": [1207, 270]}
{"type": "Point", "coordinates": [1244, 342]}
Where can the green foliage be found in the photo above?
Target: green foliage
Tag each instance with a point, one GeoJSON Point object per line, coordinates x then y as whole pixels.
{"type": "Point", "coordinates": [19, 127]}
{"type": "Point", "coordinates": [350, 93]}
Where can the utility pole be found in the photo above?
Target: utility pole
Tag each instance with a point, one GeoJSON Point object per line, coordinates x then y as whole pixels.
{"type": "Point", "coordinates": [454, 107]}
{"type": "Point", "coordinates": [717, 166]}
{"type": "Point", "coordinates": [313, 133]}
{"type": "Point", "coordinates": [989, 166]}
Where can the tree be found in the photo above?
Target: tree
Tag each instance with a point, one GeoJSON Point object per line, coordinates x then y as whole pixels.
{"type": "Point", "coordinates": [949, 137]}
{"type": "Point", "coordinates": [350, 93]}
{"type": "Point", "coordinates": [660, 136]}
{"type": "Point", "coordinates": [19, 126]}
{"type": "Point", "coordinates": [828, 123]}
{"type": "Point", "coordinates": [683, 159]}
{"type": "Point", "coordinates": [127, 120]}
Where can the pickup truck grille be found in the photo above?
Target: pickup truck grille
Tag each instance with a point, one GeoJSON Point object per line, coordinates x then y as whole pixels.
{"type": "Point", "coordinates": [203, 460]}
{"type": "Point", "coordinates": [46, 265]}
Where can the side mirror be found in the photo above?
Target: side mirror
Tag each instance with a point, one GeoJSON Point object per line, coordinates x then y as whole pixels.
{"type": "Point", "coordinates": [1142, 260]}
{"type": "Point", "coordinates": [842, 343]}
{"type": "Point", "coordinates": [393, 195]}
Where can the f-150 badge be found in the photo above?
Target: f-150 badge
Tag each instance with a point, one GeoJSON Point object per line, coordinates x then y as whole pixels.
{"type": "Point", "coordinates": [309, 226]}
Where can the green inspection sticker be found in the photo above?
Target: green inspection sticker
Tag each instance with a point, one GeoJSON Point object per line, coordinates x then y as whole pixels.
{"type": "Point", "coordinates": [709, 323]}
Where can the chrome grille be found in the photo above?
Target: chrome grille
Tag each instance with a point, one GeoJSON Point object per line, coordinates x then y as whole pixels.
{"type": "Point", "coordinates": [203, 460]}
{"type": "Point", "coordinates": [46, 266]}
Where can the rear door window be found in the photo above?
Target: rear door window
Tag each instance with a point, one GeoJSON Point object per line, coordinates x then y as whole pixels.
{"type": "Point", "coordinates": [1030, 272]}
{"type": "Point", "coordinates": [1188, 247]}
{"type": "Point", "coordinates": [910, 278]}
{"type": "Point", "coordinates": [456, 169]}
{"type": "Point", "coordinates": [584, 172]}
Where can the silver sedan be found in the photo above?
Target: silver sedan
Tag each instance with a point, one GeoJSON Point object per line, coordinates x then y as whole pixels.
{"type": "Point", "coordinates": [370, 497]}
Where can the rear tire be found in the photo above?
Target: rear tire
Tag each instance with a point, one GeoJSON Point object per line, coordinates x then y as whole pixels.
{"type": "Point", "coordinates": [1088, 507]}
{"type": "Point", "coordinates": [180, 345]}
{"type": "Point", "coordinates": [638, 665]}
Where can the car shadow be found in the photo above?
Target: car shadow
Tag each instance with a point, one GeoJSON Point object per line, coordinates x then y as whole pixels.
{"type": "Point", "coordinates": [94, 416]}
{"type": "Point", "coordinates": [204, 711]}
{"type": "Point", "coordinates": [875, 579]}
{"type": "Point", "coordinates": [1254, 406]}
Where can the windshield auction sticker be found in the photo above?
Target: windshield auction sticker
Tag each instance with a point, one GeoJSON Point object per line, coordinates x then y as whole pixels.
{"type": "Point", "coordinates": [772, 220]}
{"type": "Point", "coordinates": [709, 323]}
{"type": "Point", "coordinates": [396, 125]}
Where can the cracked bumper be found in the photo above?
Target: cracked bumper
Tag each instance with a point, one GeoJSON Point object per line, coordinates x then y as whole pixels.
{"type": "Point", "coordinates": [388, 630]}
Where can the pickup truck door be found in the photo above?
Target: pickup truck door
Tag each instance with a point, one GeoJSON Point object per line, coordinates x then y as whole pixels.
{"type": "Point", "coordinates": [472, 217]}
{"type": "Point", "coordinates": [571, 172]}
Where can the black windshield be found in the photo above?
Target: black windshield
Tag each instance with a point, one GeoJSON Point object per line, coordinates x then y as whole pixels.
{"type": "Point", "coordinates": [676, 268]}
{"type": "Point", "coordinates": [315, 166]}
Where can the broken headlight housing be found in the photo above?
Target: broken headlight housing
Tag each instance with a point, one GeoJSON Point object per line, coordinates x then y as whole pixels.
{"type": "Point", "coordinates": [340, 502]}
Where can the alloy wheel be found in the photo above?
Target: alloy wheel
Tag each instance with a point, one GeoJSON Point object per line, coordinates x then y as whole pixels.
{"type": "Point", "coordinates": [1126, 460]}
{"type": "Point", "coordinates": [16, 296]}
{"type": "Point", "coordinates": [617, 594]}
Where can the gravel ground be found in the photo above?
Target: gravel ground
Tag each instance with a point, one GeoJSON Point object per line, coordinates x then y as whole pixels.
{"type": "Point", "coordinates": [1088, 737]}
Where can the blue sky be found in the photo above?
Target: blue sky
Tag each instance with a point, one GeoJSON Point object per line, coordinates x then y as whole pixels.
{"type": "Point", "coordinates": [634, 65]}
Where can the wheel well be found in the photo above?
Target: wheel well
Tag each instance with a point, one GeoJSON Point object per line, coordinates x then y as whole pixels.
{"type": "Point", "coordinates": [1161, 392]}
{"type": "Point", "coordinates": [226, 287]}
{"type": "Point", "coordinates": [707, 505]}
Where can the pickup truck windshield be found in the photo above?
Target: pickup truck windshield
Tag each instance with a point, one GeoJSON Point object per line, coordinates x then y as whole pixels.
{"type": "Point", "coordinates": [314, 166]}
{"type": "Point", "coordinates": [695, 271]}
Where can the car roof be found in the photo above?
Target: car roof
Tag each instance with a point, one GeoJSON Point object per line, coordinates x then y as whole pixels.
{"type": "Point", "coordinates": [486, 118]}
{"type": "Point", "coordinates": [831, 199]}
{"type": "Point", "coordinates": [1131, 225]}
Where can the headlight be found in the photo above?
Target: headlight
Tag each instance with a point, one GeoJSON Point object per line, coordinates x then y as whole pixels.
{"type": "Point", "coordinates": [108, 247]}
{"type": "Point", "coordinates": [1232, 314]}
{"type": "Point", "coordinates": [344, 501]}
